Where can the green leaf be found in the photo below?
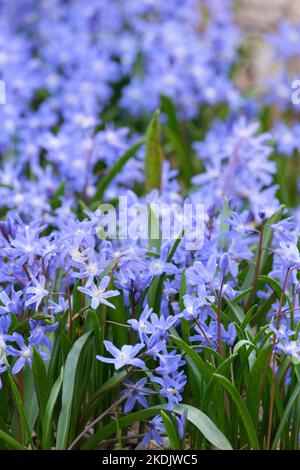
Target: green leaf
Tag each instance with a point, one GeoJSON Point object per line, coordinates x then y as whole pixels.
{"type": "Point", "coordinates": [176, 139]}
{"type": "Point", "coordinates": [242, 409]}
{"type": "Point", "coordinates": [248, 317]}
{"type": "Point", "coordinates": [220, 370]}
{"type": "Point", "coordinates": [107, 387]}
{"type": "Point", "coordinates": [120, 333]}
{"type": "Point", "coordinates": [242, 295]}
{"type": "Point", "coordinates": [11, 441]}
{"type": "Point", "coordinates": [168, 108]}
{"type": "Point", "coordinates": [267, 239]}
{"type": "Point", "coordinates": [25, 431]}
{"type": "Point", "coordinates": [110, 267]}
{"type": "Point", "coordinates": [154, 232]}
{"type": "Point", "coordinates": [6, 186]}
{"type": "Point", "coordinates": [241, 343]}
{"type": "Point", "coordinates": [115, 169]}
{"type": "Point", "coordinates": [171, 430]}
{"type": "Point", "coordinates": [255, 383]}
{"type": "Point", "coordinates": [276, 288]}
{"type": "Point", "coordinates": [74, 358]}
{"type": "Point", "coordinates": [154, 155]}
{"type": "Point", "coordinates": [56, 198]}
{"type": "Point", "coordinates": [40, 376]}
{"type": "Point", "coordinates": [196, 359]}
{"type": "Point", "coordinates": [224, 227]}
{"type": "Point", "coordinates": [205, 426]}
{"type": "Point", "coordinates": [287, 410]}
{"type": "Point", "coordinates": [199, 419]}
{"type": "Point", "coordinates": [126, 421]}
{"type": "Point", "coordinates": [238, 314]}
{"type": "Point", "coordinates": [48, 417]}
{"type": "Point", "coordinates": [77, 298]}
{"type": "Point", "coordinates": [30, 400]}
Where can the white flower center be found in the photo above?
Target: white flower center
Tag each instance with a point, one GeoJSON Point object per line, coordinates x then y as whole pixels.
{"type": "Point", "coordinates": [172, 390]}
{"type": "Point", "coordinates": [92, 268]}
{"type": "Point", "coordinates": [39, 291]}
{"type": "Point", "coordinates": [156, 266]}
{"type": "Point", "coordinates": [27, 352]}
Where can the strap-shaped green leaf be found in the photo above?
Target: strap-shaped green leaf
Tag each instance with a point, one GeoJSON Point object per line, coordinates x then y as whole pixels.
{"type": "Point", "coordinates": [243, 410]}
{"type": "Point", "coordinates": [154, 155]}
{"type": "Point", "coordinates": [48, 417]}
{"type": "Point", "coordinates": [68, 389]}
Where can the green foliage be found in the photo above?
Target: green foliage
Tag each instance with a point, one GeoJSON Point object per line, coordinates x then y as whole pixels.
{"type": "Point", "coordinates": [154, 155]}
{"type": "Point", "coordinates": [114, 170]}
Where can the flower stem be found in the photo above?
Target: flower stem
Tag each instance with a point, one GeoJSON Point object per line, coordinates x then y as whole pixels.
{"type": "Point", "coordinates": [220, 346]}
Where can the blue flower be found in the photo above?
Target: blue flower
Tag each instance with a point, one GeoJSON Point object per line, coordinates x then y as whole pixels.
{"type": "Point", "coordinates": [289, 254]}
{"type": "Point", "coordinates": [38, 333]}
{"type": "Point", "coordinates": [2, 369]}
{"type": "Point", "coordinates": [224, 263]}
{"type": "Point", "coordinates": [155, 345]}
{"type": "Point", "coordinates": [26, 244]}
{"type": "Point", "coordinates": [192, 305]}
{"type": "Point", "coordinates": [181, 422]}
{"type": "Point", "coordinates": [239, 223]}
{"type": "Point", "coordinates": [228, 336]}
{"type": "Point", "coordinates": [211, 334]}
{"type": "Point", "coordinates": [98, 294]}
{"type": "Point", "coordinates": [38, 291]}
{"type": "Point", "coordinates": [12, 304]}
{"type": "Point", "coordinates": [123, 357]}
{"type": "Point", "coordinates": [5, 322]}
{"type": "Point", "coordinates": [169, 363]}
{"type": "Point", "coordinates": [24, 354]}
{"type": "Point", "coordinates": [142, 325]}
{"type": "Point", "coordinates": [200, 274]}
{"type": "Point", "coordinates": [60, 307]}
{"type": "Point", "coordinates": [171, 388]}
{"type": "Point", "coordinates": [291, 348]}
{"type": "Point", "coordinates": [283, 230]}
{"type": "Point", "coordinates": [155, 427]}
{"type": "Point", "coordinates": [135, 393]}
{"type": "Point", "coordinates": [157, 267]}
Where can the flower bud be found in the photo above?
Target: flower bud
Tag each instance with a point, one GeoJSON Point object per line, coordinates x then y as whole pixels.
{"type": "Point", "coordinates": [224, 263]}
